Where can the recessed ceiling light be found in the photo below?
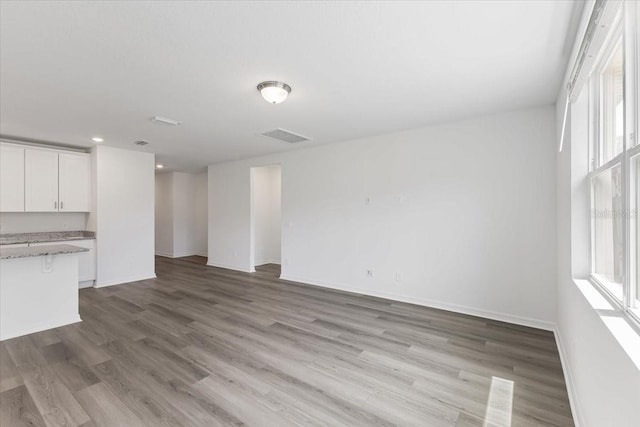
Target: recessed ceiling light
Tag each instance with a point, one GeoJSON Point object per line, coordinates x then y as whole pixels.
{"type": "Point", "coordinates": [274, 92]}
{"type": "Point", "coordinates": [97, 139]}
{"type": "Point", "coordinates": [159, 166]}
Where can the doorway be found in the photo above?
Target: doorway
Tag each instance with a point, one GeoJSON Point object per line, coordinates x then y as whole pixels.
{"type": "Point", "coordinates": [266, 236]}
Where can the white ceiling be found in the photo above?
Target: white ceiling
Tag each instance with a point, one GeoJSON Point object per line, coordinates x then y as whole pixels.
{"type": "Point", "coordinates": [73, 70]}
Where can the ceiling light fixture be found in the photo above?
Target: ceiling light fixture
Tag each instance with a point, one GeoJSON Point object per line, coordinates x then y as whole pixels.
{"type": "Point", "coordinates": [159, 166]}
{"type": "Point", "coordinates": [97, 139]}
{"type": "Point", "coordinates": [274, 92]}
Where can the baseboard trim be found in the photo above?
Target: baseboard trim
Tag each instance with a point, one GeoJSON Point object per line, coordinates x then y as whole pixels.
{"type": "Point", "coordinates": [43, 327]}
{"type": "Point", "coordinates": [568, 380]}
{"type": "Point", "coordinates": [229, 267]}
{"type": "Point", "coordinates": [185, 254]}
{"type": "Point", "coordinates": [487, 314]}
{"type": "Point", "coordinates": [165, 255]}
{"type": "Point", "coordinates": [86, 284]}
{"type": "Point", "coordinates": [180, 255]}
{"type": "Point", "coordinates": [269, 261]}
{"type": "Point", "coordinates": [123, 280]}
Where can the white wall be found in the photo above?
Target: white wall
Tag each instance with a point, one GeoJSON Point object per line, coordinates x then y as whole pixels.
{"type": "Point", "coordinates": [184, 215]}
{"type": "Point", "coordinates": [463, 212]}
{"type": "Point", "coordinates": [181, 211]}
{"type": "Point", "coordinates": [30, 222]}
{"type": "Point", "coordinates": [265, 196]}
{"type": "Point", "coordinates": [123, 215]}
{"type": "Point", "coordinates": [202, 220]}
{"type": "Point", "coordinates": [596, 344]}
{"type": "Point", "coordinates": [164, 214]}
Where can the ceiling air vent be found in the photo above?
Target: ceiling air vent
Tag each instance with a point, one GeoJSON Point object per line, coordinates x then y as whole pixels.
{"type": "Point", "coordinates": [285, 135]}
{"type": "Point", "coordinates": [166, 121]}
{"type": "Point", "coordinates": [141, 143]}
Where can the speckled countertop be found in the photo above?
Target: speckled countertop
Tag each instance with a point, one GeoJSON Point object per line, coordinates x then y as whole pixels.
{"type": "Point", "coordinates": [33, 251]}
{"type": "Point", "coordinates": [47, 236]}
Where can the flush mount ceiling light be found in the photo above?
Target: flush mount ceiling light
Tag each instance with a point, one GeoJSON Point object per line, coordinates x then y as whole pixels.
{"type": "Point", "coordinates": [97, 139]}
{"type": "Point", "coordinates": [274, 92]}
{"type": "Point", "coordinates": [159, 166]}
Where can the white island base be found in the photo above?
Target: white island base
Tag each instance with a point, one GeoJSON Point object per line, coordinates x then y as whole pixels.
{"type": "Point", "coordinates": [38, 292]}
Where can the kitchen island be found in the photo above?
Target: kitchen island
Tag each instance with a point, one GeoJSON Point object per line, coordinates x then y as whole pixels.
{"type": "Point", "coordinates": [82, 238]}
{"type": "Point", "coordinates": [38, 288]}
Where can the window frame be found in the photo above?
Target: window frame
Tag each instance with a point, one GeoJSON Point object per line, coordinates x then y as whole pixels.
{"type": "Point", "coordinates": [633, 33]}
{"type": "Point", "coordinates": [625, 32]}
{"type": "Point", "coordinates": [634, 232]}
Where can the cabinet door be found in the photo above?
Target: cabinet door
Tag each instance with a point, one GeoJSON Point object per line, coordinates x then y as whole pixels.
{"type": "Point", "coordinates": [75, 182]}
{"type": "Point", "coordinates": [11, 178]}
{"type": "Point", "coordinates": [41, 180]}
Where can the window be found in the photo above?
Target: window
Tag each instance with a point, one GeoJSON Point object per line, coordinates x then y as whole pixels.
{"type": "Point", "coordinates": [608, 240]}
{"type": "Point", "coordinates": [612, 106]}
{"type": "Point", "coordinates": [615, 165]}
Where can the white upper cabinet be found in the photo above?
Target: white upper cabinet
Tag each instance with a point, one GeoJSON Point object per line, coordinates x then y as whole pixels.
{"type": "Point", "coordinates": [11, 178]}
{"type": "Point", "coordinates": [41, 180]}
{"type": "Point", "coordinates": [74, 171]}
{"type": "Point", "coordinates": [44, 180]}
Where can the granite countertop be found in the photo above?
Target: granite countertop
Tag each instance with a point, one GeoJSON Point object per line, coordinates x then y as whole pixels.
{"type": "Point", "coordinates": [34, 251]}
{"type": "Point", "coordinates": [47, 236]}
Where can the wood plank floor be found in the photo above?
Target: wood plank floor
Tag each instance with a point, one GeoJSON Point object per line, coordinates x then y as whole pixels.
{"type": "Point", "coordinates": [206, 346]}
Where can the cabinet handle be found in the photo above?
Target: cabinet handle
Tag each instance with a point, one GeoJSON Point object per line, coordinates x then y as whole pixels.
{"type": "Point", "coordinates": [61, 205]}
{"type": "Point", "coordinates": [55, 205]}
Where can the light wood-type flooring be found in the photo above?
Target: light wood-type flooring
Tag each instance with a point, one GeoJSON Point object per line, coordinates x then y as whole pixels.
{"type": "Point", "coordinates": [204, 346]}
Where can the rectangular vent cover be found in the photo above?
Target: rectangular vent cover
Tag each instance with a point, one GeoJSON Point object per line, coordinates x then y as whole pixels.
{"type": "Point", "coordinates": [285, 135]}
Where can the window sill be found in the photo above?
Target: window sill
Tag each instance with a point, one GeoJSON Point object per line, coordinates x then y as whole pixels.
{"type": "Point", "coordinates": [619, 324]}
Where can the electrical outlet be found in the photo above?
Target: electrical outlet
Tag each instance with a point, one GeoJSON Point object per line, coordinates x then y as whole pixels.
{"type": "Point", "coordinates": [369, 273]}
{"type": "Point", "coordinates": [235, 253]}
{"type": "Point", "coordinates": [367, 200]}
{"type": "Point", "coordinates": [398, 276]}
{"type": "Point", "coordinates": [286, 261]}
